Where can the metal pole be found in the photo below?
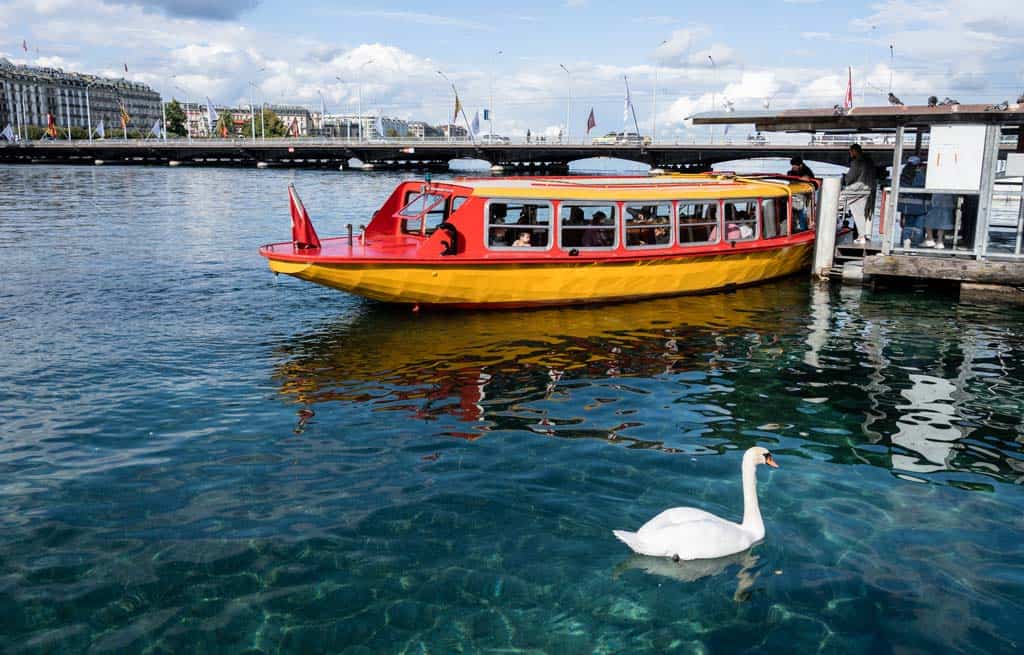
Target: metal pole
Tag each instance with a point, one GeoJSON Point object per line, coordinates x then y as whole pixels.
{"type": "Point", "coordinates": [890, 218]}
{"type": "Point", "coordinates": [490, 100]}
{"type": "Point", "coordinates": [252, 114]}
{"type": "Point", "coordinates": [88, 112]}
{"type": "Point", "coordinates": [359, 83]}
{"type": "Point", "coordinates": [892, 62]}
{"type": "Point", "coordinates": [67, 110]}
{"type": "Point", "coordinates": [714, 98]}
{"type": "Point", "coordinates": [568, 100]}
{"type": "Point", "coordinates": [263, 123]}
{"type": "Point", "coordinates": [163, 117]}
{"type": "Point", "coordinates": [654, 113]}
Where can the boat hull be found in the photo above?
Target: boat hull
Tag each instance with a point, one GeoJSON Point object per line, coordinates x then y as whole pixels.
{"type": "Point", "coordinates": [532, 284]}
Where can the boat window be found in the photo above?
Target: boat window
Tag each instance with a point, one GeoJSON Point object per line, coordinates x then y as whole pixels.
{"type": "Point", "coordinates": [740, 218]}
{"type": "Point", "coordinates": [423, 212]}
{"type": "Point", "coordinates": [518, 225]}
{"type": "Point", "coordinates": [803, 211]}
{"type": "Point", "coordinates": [589, 227]}
{"type": "Point", "coordinates": [773, 218]}
{"type": "Point", "coordinates": [648, 225]}
{"type": "Point", "coordinates": [698, 222]}
{"type": "Point", "coordinates": [457, 202]}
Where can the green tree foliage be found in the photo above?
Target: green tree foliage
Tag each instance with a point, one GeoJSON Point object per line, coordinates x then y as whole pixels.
{"type": "Point", "coordinates": [225, 125]}
{"type": "Point", "coordinates": [272, 123]}
{"type": "Point", "coordinates": [175, 119]}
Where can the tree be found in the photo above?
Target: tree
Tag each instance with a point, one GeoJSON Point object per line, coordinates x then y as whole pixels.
{"type": "Point", "coordinates": [175, 118]}
{"type": "Point", "coordinates": [225, 124]}
{"type": "Point", "coordinates": [272, 123]}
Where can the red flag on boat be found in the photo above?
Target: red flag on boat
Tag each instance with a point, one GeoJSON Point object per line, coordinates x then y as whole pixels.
{"type": "Point", "coordinates": [591, 121]}
{"type": "Point", "coordinates": [848, 99]}
{"type": "Point", "coordinates": [51, 126]}
{"type": "Point", "coordinates": [303, 234]}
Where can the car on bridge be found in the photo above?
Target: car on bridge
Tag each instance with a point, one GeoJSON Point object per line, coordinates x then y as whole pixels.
{"type": "Point", "coordinates": [494, 138]}
{"type": "Point", "coordinates": [621, 139]}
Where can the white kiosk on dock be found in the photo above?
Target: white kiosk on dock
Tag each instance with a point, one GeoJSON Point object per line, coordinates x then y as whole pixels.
{"type": "Point", "coordinates": [965, 147]}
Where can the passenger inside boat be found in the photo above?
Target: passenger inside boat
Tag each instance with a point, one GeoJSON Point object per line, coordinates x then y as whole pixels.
{"type": "Point", "coordinates": [648, 225]}
{"type": "Point", "coordinates": [598, 236]}
{"type": "Point", "coordinates": [576, 231]}
{"type": "Point", "coordinates": [535, 219]}
{"type": "Point", "coordinates": [773, 219]}
{"type": "Point", "coordinates": [698, 223]}
{"type": "Point", "coordinates": [497, 233]}
{"type": "Point", "coordinates": [740, 220]}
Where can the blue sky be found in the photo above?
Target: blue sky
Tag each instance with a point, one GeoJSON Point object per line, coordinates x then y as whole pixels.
{"type": "Point", "coordinates": [786, 53]}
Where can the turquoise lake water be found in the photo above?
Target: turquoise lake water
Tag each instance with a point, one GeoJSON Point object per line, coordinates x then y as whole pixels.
{"type": "Point", "coordinates": [456, 489]}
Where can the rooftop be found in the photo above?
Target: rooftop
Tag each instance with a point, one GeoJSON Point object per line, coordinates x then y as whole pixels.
{"type": "Point", "coordinates": [867, 119]}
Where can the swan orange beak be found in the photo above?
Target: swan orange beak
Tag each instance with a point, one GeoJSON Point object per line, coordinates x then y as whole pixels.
{"type": "Point", "coordinates": [770, 461]}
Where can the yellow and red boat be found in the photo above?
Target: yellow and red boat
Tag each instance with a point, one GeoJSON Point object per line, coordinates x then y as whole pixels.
{"type": "Point", "coordinates": [523, 242]}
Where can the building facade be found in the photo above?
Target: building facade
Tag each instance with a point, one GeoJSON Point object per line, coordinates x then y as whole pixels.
{"type": "Point", "coordinates": [28, 95]}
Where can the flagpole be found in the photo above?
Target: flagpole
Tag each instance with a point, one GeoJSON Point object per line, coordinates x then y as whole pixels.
{"type": "Point", "coordinates": [568, 100]}
{"type": "Point", "coordinates": [67, 112]}
{"type": "Point", "coordinates": [359, 83]}
{"type": "Point", "coordinates": [490, 100]}
{"type": "Point", "coordinates": [654, 114]}
{"type": "Point", "coordinates": [714, 88]}
{"type": "Point", "coordinates": [632, 109]}
{"type": "Point", "coordinates": [88, 112]}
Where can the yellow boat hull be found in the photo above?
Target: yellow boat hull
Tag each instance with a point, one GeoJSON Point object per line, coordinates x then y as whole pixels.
{"type": "Point", "coordinates": [550, 283]}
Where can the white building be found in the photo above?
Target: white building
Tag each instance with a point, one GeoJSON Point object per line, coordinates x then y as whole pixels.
{"type": "Point", "coordinates": [29, 94]}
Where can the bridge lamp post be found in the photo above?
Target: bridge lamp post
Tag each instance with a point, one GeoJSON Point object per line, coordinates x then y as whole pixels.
{"type": "Point", "coordinates": [252, 108]}
{"type": "Point", "coordinates": [490, 99]}
{"type": "Point", "coordinates": [348, 123]}
{"type": "Point", "coordinates": [654, 113]}
{"type": "Point", "coordinates": [359, 86]}
{"type": "Point", "coordinates": [455, 91]}
{"type": "Point", "coordinates": [88, 111]}
{"type": "Point", "coordinates": [714, 96]}
{"type": "Point", "coordinates": [188, 123]}
{"type": "Point", "coordinates": [568, 100]}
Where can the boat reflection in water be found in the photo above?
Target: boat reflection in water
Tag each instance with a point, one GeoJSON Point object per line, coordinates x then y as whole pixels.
{"type": "Point", "coordinates": [855, 377]}
{"type": "Point", "coordinates": [486, 368]}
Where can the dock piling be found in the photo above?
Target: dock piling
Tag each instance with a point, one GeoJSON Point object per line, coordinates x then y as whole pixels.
{"type": "Point", "coordinates": [825, 228]}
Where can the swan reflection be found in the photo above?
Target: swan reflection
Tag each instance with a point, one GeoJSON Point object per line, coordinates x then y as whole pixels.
{"type": "Point", "coordinates": [694, 570]}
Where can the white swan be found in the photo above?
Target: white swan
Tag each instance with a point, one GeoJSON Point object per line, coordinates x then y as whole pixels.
{"type": "Point", "coordinates": [688, 533]}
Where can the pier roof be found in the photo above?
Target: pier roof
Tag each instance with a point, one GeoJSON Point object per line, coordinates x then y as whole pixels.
{"type": "Point", "coordinates": [867, 119]}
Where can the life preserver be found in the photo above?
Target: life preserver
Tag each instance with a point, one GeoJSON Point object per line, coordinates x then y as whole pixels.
{"type": "Point", "coordinates": [451, 245]}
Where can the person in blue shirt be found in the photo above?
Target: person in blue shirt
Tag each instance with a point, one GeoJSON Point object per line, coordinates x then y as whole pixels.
{"type": "Point", "coordinates": [912, 207]}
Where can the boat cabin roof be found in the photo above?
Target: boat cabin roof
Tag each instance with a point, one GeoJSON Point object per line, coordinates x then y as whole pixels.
{"type": "Point", "coordinates": [627, 188]}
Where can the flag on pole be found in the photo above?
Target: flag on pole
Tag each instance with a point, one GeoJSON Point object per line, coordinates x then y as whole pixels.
{"type": "Point", "coordinates": [125, 118]}
{"type": "Point", "coordinates": [126, 68]}
{"type": "Point", "coordinates": [591, 121]}
{"type": "Point", "coordinates": [848, 99]}
{"type": "Point", "coordinates": [211, 114]}
{"type": "Point", "coordinates": [303, 234]}
{"type": "Point", "coordinates": [475, 127]}
{"type": "Point", "coordinates": [458, 108]}
{"type": "Point", "coordinates": [8, 133]}
{"type": "Point", "coordinates": [24, 45]}
{"type": "Point", "coordinates": [293, 129]}
{"type": "Point", "coordinates": [101, 131]}
{"type": "Point", "coordinates": [487, 114]}
{"type": "Point", "coordinates": [377, 124]}
{"type": "Point", "coordinates": [155, 130]}
{"type": "Point", "coordinates": [51, 126]}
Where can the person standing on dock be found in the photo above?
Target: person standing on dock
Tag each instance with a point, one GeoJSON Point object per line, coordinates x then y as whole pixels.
{"type": "Point", "coordinates": [912, 207]}
{"type": "Point", "coordinates": [859, 193]}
